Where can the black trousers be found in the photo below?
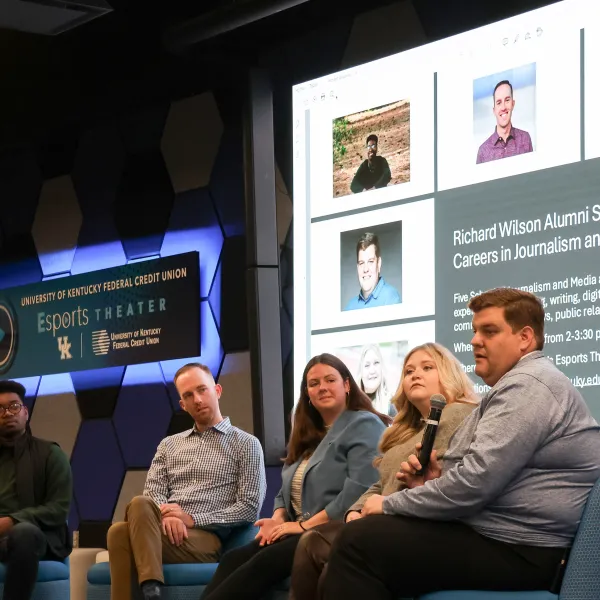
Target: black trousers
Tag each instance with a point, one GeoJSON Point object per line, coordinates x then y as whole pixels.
{"type": "Point", "coordinates": [249, 572]}
{"type": "Point", "coordinates": [386, 557]}
{"type": "Point", "coordinates": [21, 550]}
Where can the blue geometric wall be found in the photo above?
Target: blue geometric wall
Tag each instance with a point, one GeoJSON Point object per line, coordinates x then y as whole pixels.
{"type": "Point", "coordinates": [165, 180]}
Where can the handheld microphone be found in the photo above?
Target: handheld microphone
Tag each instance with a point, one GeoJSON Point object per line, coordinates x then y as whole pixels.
{"type": "Point", "coordinates": [433, 420]}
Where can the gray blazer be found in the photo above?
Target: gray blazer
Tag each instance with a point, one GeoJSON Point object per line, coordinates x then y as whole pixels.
{"type": "Point", "coordinates": [339, 471]}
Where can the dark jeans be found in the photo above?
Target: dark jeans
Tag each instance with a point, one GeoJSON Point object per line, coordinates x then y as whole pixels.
{"type": "Point", "coordinates": [249, 572]}
{"type": "Point", "coordinates": [386, 557]}
{"type": "Point", "coordinates": [21, 550]}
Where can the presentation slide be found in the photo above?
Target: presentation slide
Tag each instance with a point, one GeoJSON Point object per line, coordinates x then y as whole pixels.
{"type": "Point", "coordinates": [427, 177]}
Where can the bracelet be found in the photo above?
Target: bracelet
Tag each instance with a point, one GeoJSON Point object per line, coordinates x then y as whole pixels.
{"type": "Point", "coordinates": [302, 526]}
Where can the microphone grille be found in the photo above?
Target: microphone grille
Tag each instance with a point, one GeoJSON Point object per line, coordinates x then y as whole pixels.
{"type": "Point", "coordinates": [438, 401]}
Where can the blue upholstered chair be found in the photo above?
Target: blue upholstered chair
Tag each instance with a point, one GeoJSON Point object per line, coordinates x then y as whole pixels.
{"type": "Point", "coordinates": [182, 581]}
{"type": "Point", "coordinates": [52, 581]}
{"type": "Point", "coordinates": [582, 577]}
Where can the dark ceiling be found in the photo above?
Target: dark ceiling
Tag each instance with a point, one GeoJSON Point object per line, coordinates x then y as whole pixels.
{"type": "Point", "coordinates": [120, 60]}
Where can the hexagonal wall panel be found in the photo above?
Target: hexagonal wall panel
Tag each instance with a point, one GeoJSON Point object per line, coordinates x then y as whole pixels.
{"type": "Point", "coordinates": [190, 141]}
{"type": "Point", "coordinates": [57, 276]}
{"type": "Point", "coordinates": [290, 392]}
{"type": "Point", "coordinates": [97, 168]}
{"type": "Point", "coordinates": [194, 226]}
{"type": "Point", "coordinates": [236, 380]}
{"type": "Point", "coordinates": [133, 485]}
{"type": "Point", "coordinates": [97, 391]}
{"type": "Point", "coordinates": [20, 183]}
{"type": "Point", "coordinates": [99, 246]}
{"type": "Point", "coordinates": [287, 297]}
{"type": "Point", "coordinates": [286, 266]}
{"type": "Point", "coordinates": [287, 335]}
{"type": "Point", "coordinates": [286, 269]}
{"type": "Point", "coordinates": [19, 264]}
{"type": "Point", "coordinates": [214, 297]}
{"type": "Point", "coordinates": [56, 225]}
{"type": "Point", "coordinates": [211, 353]}
{"type": "Point", "coordinates": [399, 27]}
{"type": "Point", "coordinates": [56, 416]}
{"type": "Point", "coordinates": [285, 208]}
{"type": "Point", "coordinates": [98, 470]}
{"type": "Point", "coordinates": [142, 130]}
{"type": "Point", "coordinates": [180, 421]}
{"type": "Point", "coordinates": [227, 182]}
{"type": "Point", "coordinates": [143, 405]}
{"type": "Point", "coordinates": [144, 201]}
{"type": "Point", "coordinates": [73, 516]}
{"type": "Point", "coordinates": [56, 154]}
{"type": "Point", "coordinates": [31, 385]}
{"type": "Point", "coordinates": [289, 238]}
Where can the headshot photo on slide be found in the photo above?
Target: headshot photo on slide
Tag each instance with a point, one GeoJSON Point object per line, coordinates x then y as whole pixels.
{"type": "Point", "coordinates": [371, 149]}
{"type": "Point", "coordinates": [504, 113]}
{"type": "Point", "coordinates": [377, 369]}
{"type": "Point", "coordinates": [371, 266]}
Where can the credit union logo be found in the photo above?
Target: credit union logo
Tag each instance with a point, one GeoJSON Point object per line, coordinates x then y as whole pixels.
{"type": "Point", "coordinates": [8, 336]}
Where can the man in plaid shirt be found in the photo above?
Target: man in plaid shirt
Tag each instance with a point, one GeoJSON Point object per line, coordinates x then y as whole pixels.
{"type": "Point", "coordinates": [201, 484]}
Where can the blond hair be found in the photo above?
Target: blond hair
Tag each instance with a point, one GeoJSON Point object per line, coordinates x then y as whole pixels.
{"type": "Point", "coordinates": [456, 387]}
{"type": "Point", "coordinates": [381, 399]}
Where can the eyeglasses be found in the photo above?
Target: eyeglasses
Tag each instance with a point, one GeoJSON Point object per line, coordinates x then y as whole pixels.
{"type": "Point", "coordinates": [14, 408]}
{"type": "Point", "coordinates": [371, 145]}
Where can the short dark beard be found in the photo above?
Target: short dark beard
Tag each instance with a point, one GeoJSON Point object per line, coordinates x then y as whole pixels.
{"type": "Point", "coordinates": [9, 439]}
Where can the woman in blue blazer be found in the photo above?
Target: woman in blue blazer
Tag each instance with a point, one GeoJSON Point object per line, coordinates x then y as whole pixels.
{"type": "Point", "coordinates": [329, 465]}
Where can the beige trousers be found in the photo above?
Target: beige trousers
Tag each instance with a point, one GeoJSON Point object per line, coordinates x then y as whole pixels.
{"type": "Point", "coordinates": [138, 543]}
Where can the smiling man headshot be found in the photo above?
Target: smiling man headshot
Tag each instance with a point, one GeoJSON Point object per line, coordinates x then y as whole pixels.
{"type": "Point", "coordinates": [506, 140]}
{"type": "Point", "coordinates": [374, 290]}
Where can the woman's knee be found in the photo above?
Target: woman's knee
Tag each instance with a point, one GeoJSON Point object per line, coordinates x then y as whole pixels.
{"type": "Point", "coordinates": [236, 556]}
{"type": "Point", "coordinates": [354, 535]}
{"type": "Point", "coordinates": [312, 548]}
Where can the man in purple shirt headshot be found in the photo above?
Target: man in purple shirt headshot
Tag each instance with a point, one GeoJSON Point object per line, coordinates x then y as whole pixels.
{"type": "Point", "coordinates": [506, 140]}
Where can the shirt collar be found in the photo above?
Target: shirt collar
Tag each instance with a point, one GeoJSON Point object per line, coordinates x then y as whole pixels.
{"type": "Point", "coordinates": [375, 293]}
{"type": "Point", "coordinates": [223, 426]}
{"type": "Point", "coordinates": [496, 137]}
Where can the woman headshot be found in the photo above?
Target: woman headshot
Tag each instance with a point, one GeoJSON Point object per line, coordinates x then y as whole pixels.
{"type": "Point", "coordinates": [329, 465]}
{"type": "Point", "coordinates": [428, 369]}
{"type": "Point", "coordinates": [372, 379]}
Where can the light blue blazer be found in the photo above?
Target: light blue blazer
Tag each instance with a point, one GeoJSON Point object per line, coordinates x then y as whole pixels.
{"type": "Point", "coordinates": [340, 469]}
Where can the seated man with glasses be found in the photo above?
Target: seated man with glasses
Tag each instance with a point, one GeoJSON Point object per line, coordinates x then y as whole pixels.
{"type": "Point", "coordinates": [35, 496]}
{"type": "Point", "coordinates": [373, 173]}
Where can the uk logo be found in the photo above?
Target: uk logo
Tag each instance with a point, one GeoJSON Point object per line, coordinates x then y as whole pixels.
{"type": "Point", "coordinates": [64, 347]}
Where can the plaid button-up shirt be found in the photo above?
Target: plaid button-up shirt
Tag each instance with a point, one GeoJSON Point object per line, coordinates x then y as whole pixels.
{"type": "Point", "coordinates": [217, 476]}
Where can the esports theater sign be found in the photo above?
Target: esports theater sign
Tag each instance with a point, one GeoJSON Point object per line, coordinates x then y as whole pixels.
{"type": "Point", "coordinates": [142, 312]}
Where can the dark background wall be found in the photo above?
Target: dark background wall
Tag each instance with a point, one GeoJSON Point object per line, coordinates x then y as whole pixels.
{"type": "Point", "coordinates": [165, 179]}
